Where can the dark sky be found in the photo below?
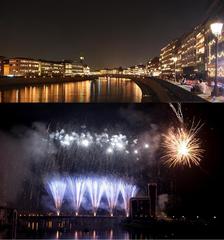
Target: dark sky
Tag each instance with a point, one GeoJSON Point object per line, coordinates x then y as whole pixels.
{"type": "Point", "coordinates": [108, 33]}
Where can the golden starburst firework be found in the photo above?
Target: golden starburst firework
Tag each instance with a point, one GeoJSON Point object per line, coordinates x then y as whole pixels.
{"type": "Point", "coordinates": [182, 147]}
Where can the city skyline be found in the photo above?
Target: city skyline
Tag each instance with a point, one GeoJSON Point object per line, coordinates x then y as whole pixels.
{"type": "Point", "coordinates": [114, 41]}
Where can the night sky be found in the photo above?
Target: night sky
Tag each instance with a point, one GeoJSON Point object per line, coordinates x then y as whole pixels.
{"type": "Point", "coordinates": [200, 188]}
{"type": "Point", "coordinates": [108, 33]}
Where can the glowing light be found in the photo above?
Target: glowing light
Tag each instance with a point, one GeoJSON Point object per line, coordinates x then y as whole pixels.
{"type": "Point", "coordinates": [94, 188]}
{"type": "Point", "coordinates": [216, 28]}
{"type": "Point", "coordinates": [85, 143]}
{"type": "Point", "coordinates": [110, 151]}
{"type": "Point", "coordinates": [57, 189]}
{"type": "Point", "coordinates": [175, 59]}
{"type": "Point", "coordinates": [128, 191]}
{"type": "Point", "coordinates": [146, 146]}
{"type": "Point", "coordinates": [77, 189]}
{"type": "Point", "coordinates": [182, 148]}
{"type": "Point", "coordinates": [111, 143]}
{"type": "Point", "coordinates": [112, 191]}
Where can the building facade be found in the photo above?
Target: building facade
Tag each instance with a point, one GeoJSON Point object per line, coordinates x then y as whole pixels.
{"type": "Point", "coordinates": [153, 67]}
{"type": "Point", "coordinates": [25, 67]}
{"type": "Point", "coordinates": [140, 207]}
{"type": "Point", "coordinates": [195, 55]}
{"type": "Point", "coordinates": [21, 67]}
{"type": "Point", "coordinates": [51, 68]}
{"type": "Point", "coordinates": [167, 59]}
{"type": "Point", "coordinates": [72, 68]}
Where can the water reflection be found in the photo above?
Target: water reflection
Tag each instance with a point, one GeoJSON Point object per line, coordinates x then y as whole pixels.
{"type": "Point", "coordinates": [100, 90]}
{"type": "Point", "coordinates": [92, 234]}
{"type": "Point", "coordinates": [71, 229]}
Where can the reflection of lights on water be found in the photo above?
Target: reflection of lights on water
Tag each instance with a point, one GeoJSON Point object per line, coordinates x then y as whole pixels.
{"type": "Point", "coordinates": [111, 234]}
{"type": "Point", "coordinates": [76, 235]}
{"type": "Point", "coordinates": [57, 235]}
{"type": "Point", "coordinates": [126, 236]}
{"type": "Point", "coordinates": [94, 234]}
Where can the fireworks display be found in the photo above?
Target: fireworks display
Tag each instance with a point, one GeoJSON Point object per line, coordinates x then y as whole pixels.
{"type": "Point", "coordinates": [57, 189]}
{"type": "Point", "coordinates": [77, 189]}
{"type": "Point", "coordinates": [92, 189]}
{"type": "Point", "coordinates": [108, 143]}
{"type": "Point", "coordinates": [183, 148]}
{"type": "Point", "coordinates": [80, 151]}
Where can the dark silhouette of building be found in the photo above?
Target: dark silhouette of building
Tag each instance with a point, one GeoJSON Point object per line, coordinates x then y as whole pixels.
{"type": "Point", "coordinates": [152, 193]}
{"type": "Point", "coordinates": [1, 65]}
{"type": "Point", "coordinates": [140, 207]}
{"type": "Point", "coordinates": [145, 207]}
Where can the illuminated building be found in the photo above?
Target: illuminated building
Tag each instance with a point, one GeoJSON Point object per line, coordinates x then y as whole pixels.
{"type": "Point", "coordinates": [153, 67]}
{"type": "Point", "coordinates": [2, 65]}
{"type": "Point", "coordinates": [167, 55]}
{"type": "Point", "coordinates": [201, 51]}
{"type": "Point", "coordinates": [107, 71]}
{"type": "Point", "coordinates": [72, 68]}
{"type": "Point", "coordinates": [139, 69]}
{"type": "Point", "coordinates": [191, 54]}
{"type": "Point", "coordinates": [86, 70]}
{"type": "Point", "coordinates": [188, 53]}
{"type": "Point", "coordinates": [195, 55]}
{"type": "Point", "coordinates": [21, 67]}
{"type": "Point", "coordinates": [85, 67]}
{"type": "Point", "coordinates": [51, 68]}
{"type": "Point", "coordinates": [26, 67]}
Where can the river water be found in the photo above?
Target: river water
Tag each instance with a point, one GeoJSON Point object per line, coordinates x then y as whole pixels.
{"type": "Point", "coordinates": [70, 229]}
{"type": "Point", "coordinates": [101, 90]}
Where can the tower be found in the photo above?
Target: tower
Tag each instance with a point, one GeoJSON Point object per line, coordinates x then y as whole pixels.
{"type": "Point", "coordinates": [152, 193]}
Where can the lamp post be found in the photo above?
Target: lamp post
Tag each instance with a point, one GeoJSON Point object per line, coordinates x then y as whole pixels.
{"type": "Point", "coordinates": [175, 67]}
{"type": "Point", "coordinates": [216, 29]}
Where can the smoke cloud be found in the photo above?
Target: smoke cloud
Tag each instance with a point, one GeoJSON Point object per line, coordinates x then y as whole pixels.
{"type": "Point", "coordinates": [19, 151]}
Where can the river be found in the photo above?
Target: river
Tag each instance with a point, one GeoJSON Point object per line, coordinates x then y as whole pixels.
{"type": "Point", "coordinates": [111, 90]}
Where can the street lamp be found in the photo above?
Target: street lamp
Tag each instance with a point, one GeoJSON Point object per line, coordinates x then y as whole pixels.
{"type": "Point", "coordinates": [216, 29]}
{"type": "Point", "coordinates": [175, 65]}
